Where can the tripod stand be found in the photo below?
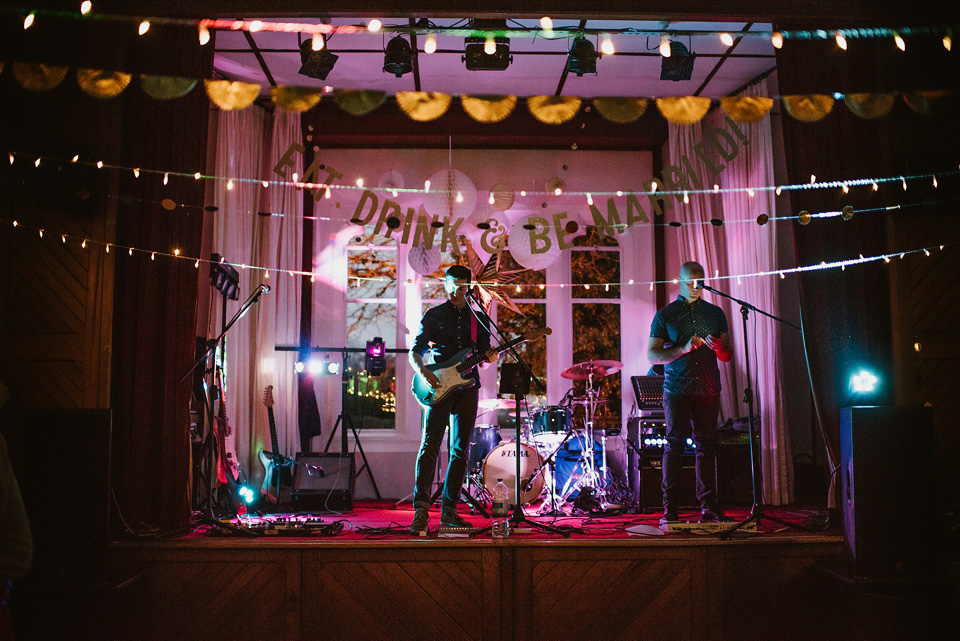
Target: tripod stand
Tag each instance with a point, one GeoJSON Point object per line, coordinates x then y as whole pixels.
{"type": "Point", "coordinates": [757, 511]}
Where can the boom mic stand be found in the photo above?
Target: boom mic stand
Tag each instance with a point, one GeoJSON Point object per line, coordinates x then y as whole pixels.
{"type": "Point", "coordinates": [520, 383]}
{"type": "Point", "coordinates": [757, 512]}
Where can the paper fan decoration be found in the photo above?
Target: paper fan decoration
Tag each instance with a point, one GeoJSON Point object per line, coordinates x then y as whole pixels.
{"type": "Point", "coordinates": [929, 103]}
{"type": "Point", "coordinates": [869, 105]}
{"type": "Point", "coordinates": [166, 87]}
{"type": "Point", "coordinates": [295, 98]}
{"type": "Point", "coordinates": [553, 110]}
{"type": "Point", "coordinates": [37, 76]}
{"type": "Point", "coordinates": [488, 108]}
{"type": "Point", "coordinates": [746, 108]}
{"type": "Point", "coordinates": [102, 84]}
{"type": "Point", "coordinates": [621, 111]}
{"type": "Point", "coordinates": [423, 106]}
{"type": "Point", "coordinates": [808, 107]}
{"type": "Point", "coordinates": [228, 94]}
{"type": "Point", "coordinates": [683, 110]}
{"type": "Point", "coordinates": [359, 102]}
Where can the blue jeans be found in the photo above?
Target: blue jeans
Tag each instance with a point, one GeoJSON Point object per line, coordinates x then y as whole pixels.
{"type": "Point", "coordinates": [690, 415]}
{"type": "Point", "coordinates": [459, 411]}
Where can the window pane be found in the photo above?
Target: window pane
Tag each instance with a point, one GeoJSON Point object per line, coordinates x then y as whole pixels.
{"type": "Point", "coordinates": [596, 336]}
{"type": "Point", "coordinates": [529, 280]}
{"type": "Point", "coordinates": [433, 288]}
{"type": "Point", "coordinates": [533, 352]}
{"type": "Point", "coordinates": [379, 264]}
{"type": "Point", "coordinates": [371, 400]}
{"type": "Point", "coordinates": [593, 238]}
{"type": "Point", "coordinates": [595, 268]}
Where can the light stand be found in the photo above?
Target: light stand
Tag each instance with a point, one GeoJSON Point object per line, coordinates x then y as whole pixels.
{"type": "Point", "coordinates": [757, 512]}
{"type": "Point", "coordinates": [518, 384]}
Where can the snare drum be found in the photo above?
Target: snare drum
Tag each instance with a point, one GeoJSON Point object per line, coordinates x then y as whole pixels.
{"type": "Point", "coordinates": [501, 463]}
{"type": "Point", "coordinates": [482, 441]}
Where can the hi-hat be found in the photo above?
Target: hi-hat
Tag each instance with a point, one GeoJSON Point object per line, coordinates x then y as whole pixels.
{"type": "Point", "coordinates": [591, 369]}
{"type": "Point", "coordinates": [487, 404]}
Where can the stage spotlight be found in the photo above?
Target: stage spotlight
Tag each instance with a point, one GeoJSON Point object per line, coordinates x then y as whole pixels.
{"type": "Point", "coordinates": [376, 357]}
{"type": "Point", "coordinates": [298, 367]}
{"type": "Point", "coordinates": [315, 366]}
{"type": "Point", "coordinates": [246, 494]}
{"type": "Point", "coordinates": [224, 278]}
{"type": "Point", "coordinates": [398, 57]}
{"type": "Point", "coordinates": [316, 64]}
{"type": "Point", "coordinates": [864, 382]}
{"type": "Point", "coordinates": [331, 367]}
{"type": "Point", "coordinates": [582, 57]}
{"type": "Point", "coordinates": [475, 55]}
{"type": "Point", "coordinates": [679, 65]}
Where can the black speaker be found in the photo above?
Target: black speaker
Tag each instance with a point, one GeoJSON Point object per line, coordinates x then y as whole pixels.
{"type": "Point", "coordinates": [333, 490]}
{"type": "Point", "coordinates": [887, 476]}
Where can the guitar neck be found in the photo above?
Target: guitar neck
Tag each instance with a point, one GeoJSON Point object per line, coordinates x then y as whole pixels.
{"type": "Point", "coordinates": [474, 360]}
{"type": "Point", "coordinates": [273, 431]}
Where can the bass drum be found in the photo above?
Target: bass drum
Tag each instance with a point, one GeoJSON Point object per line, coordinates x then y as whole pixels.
{"type": "Point", "coordinates": [501, 464]}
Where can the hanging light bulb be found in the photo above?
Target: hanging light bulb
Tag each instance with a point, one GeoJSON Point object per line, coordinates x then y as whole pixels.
{"type": "Point", "coordinates": [547, 25]}
{"type": "Point", "coordinates": [374, 26]}
{"type": "Point", "coordinates": [107, 248]}
{"type": "Point", "coordinates": [255, 26]}
{"type": "Point", "coordinates": [75, 158]}
{"type": "Point", "coordinates": [606, 45]}
{"type": "Point", "coordinates": [196, 176]}
{"type": "Point", "coordinates": [750, 192]}
{"type": "Point", "coordinates": [665, 46]}
{"type": "Point", "coordinates": [327, 193]}
{"type": "Point", "coordinates": [557, 191]}
{"type": "Point", "coordinates": [947, 42]}
{"type": "Point", "coordinates": [777, 40]}
{"type": "Point", "coordinates": [230, 184]}
{"type": "Point", "coordinates": [130, 252]}
{"type": "Point", "coordinates": [426, 185]}
{"type": "Point", "coordinates": [41, 233]}
{"type": "Point", "coordinates": [779, 190]}
{"type": "Point", "coordinates": [359, 182]}
{"type": "Point", "coordinates": [459, 197]}
{"type": "Point", "coordinates": [726, 39]}
{"type": "Point", "coordinates": [875, 186]}
{"type": "Point", "coordinates": [490, 200]}
{"type": "Point", "coordinates": [430, 46]}
{"type": "Point", "coordinates": [136, 172]}
{"type": "Point", "coordinates": [653, 185]}
{"type": "Point", "coordinates": [846, 189]}
{"type": "Point", "coordinates": [935, 182]}
{"type": "Point", "coordinates": [144, 27]}
{"type": "Point", "coordinates": [28, 21]}
{"type": "Point", "coordinates": [176, 252]}
{"type": "Point", "coordinates": [589, 199]}
{"type": "Point", "coordinates": [204, 34]}
{"type": "Point", "coordinates": [490, 46]}
{"type": "Point", "coordinates": [264, 183]}
{"type": "Point", "coordinates": [166, 178]}
{"type": "Point", "coordinates": [99, 164]}
{"type": "Point", "coordinates": [85, 7]}
{"type": "Point", "coordinates": [153, 255]}
{"type": "Point", "coordinates": [36, 163]}
{"type": "Point", "coordinates": [841, 41]}
{"type": "Point", "coordinates": [901, 45]}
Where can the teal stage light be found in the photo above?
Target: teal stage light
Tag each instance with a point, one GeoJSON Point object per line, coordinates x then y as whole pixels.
{"type": "Point", "coordinates": [246, 494]}
{"type": "Point", "coordinates": [864, 382]}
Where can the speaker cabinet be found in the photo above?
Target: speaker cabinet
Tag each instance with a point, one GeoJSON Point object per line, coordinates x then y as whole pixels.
{"type": "Point", "coordinates": [333, 490]}
{"type": "Point", "coordinates": [887, 476]}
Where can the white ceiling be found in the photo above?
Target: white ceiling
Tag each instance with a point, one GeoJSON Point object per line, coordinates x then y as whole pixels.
{"type": "Point", "coordinates": [536, 71]}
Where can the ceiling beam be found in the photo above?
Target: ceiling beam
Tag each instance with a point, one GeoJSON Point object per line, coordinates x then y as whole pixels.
{"type": "Point", "coordinates": [263, 63]}
{"type": "Point", "coordinates": [416, 57]}
{"type": "Point", "coordinates": [723, 58]}
{"type": "Point", "coordinates": [459, 52]}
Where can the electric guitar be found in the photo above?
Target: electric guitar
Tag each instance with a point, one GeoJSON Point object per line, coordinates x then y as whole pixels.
{"type": "Point", "coordinates": [277, 477]}
{"type": "Point", "coordinates": [453, 371]}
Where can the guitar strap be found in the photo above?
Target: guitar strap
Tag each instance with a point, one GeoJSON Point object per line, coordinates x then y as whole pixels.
{"type": "Point", "coordinates": [473, 328]}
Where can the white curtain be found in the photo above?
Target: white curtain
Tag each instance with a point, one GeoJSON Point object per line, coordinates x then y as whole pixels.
{"type": "Point", "coordinates": [249, 144]}
{"type": "Point", "coordinates": [753, 248]}
{"type": "Point", "coordinates": [737, 248]}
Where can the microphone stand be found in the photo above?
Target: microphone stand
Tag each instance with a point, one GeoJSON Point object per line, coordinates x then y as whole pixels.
{"type": "Point", "coordinates": [518, 516]}
{"type": "Point", "coordinates": [757, 512]}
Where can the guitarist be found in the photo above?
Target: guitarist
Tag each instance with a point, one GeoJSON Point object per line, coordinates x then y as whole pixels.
{"type": "Point", "coordinates": [447, 329]}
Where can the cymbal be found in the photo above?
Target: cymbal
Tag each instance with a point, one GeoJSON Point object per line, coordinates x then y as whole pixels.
{"type": "Point", "coordinates": [596, 369]}
{"type": "Point", "coordinates": [487, 404]}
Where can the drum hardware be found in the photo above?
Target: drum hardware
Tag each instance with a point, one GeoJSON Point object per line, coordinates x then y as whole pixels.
{"type": "Point", "coordinates": [501, 463]}
{"type": "Point", "coordinates": [550, 461]}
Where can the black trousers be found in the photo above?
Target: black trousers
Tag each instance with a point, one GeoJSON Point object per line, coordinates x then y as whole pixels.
{"type": "Point", "coordinates": [696, 416]}
{"type": "Point", "coordinates": [459, 411]}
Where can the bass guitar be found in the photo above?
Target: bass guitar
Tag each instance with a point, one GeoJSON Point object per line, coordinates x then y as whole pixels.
{"type": "Point", "coordinates": [453, 372]}
{"type": "Point", "coordinates": [277, 477]}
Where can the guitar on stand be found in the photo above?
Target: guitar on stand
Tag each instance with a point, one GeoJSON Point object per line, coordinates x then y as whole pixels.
{"type": "Point", "coordinates": [278, 475]}
{"type": "Point", "coordinates": [228, 472]}
{"type": "Point", "coordinates": [453, 372]}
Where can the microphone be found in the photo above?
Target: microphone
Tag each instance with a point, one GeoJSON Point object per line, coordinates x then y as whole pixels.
{"type": "Point", "coordinates": [699, 284]}
{"type": "Point", "coordinates": [265, 288]}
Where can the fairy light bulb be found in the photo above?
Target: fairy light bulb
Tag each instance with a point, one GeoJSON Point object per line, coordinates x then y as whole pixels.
{"type": "Point", "coordinates": [901, 45]}
{"type": "Point", "coordinates": [430, 45]}
{"type": "Point", "coordinates": [197, 264]}
{"type": "Point", "coordinates": [651, 287]}
{"type": "Point", "coordinates": [935, 182]}
{"type": "Point", "coordinates": [99, 164]}
{"type": "Point", "coordinates": [204, 34]}
{"type": "Point", "coordinates": [903, 181]}
{"type": "Point", "coordinates": [374, 26]}
{"type": "Point", "coordinates": [947, 42]}
{"type": "Point", "coordinates": [196, 176]}
{"type": "Point", "coordinates": [778, 190]}
{"type": "Point", "coordinates": [153, 255]}
{"type": "Point", "coordinates": [875, 186]}
{"type": "Point", "coordinates": [750, 192]}
{"type": "Point", "coordinates": [490, 46]}
{"type": "Point", "coordinates": [130, 252]}
{"type": "Point", "coordinates": [777, 40]}
{"type": "Point", "coordinates": [107, 248]}
{"type": "Point", "coordinates": [523, 192]}
{"type": "Point", "coordinates": [665, 46]}
{"type": "Point", "coordinates": [653, 185]}
{"type": "Point", "coordinates": [426, 185]}
{"type": "Point", "coordinates": [716, 188]}
{"type": "Point", "coordinates": [28, 21]}
{"type": "Point", "coordinates": [176, 252]}
{"type": "Point", "coordinates": [317, 42]}
{"type": "Point", "coordinates": [619, 193]}
{"type": "Point", "coordinates": [841, 41]}
{"type": "Point", "coordinates": [230, 184]}
{"type": "Point", "coordinates": [136, 172]}
{"type": "Point", "coordinates": [83, 245]}
{"type": "Point", "coordinates": [518, 289]}
{"type": "Point", "coordinates": [295, 177]}
{"type": "Point", "coordinates": [846, 188]}
{"type": "Point", "coordinates": [589, 199]}
{"type": "Point", "coordinates": [359, 182]}
{"type": "Point", "coordinates": [166, 177]}
{"type": "Point", "coordinates": [63, 238]}
{"type": "Point", "coordinates": [546, 23]}
{"type": "Point", "coordinates": [85, 7]}
{"type": "Point", "coordinates": [144, 27]}
{"type": "Point", "coordinates": [11, 159]}
{"type": "Point", "coordinates": [459, 197]}
{"type": "Point", "coordinates": [255, 26]}
{"type": "Point", "coordinates": [393, 193]}
{"type": "Point", "coordinates": [75, 158]}
{"type": "Point", "coordinates": [686, 198]}
{"type": "Point", "coordinates": [557, 191]}
{"type": "Point", "coordinates": [36, 163]}
{"type": "Point", "coordinates": [327, 193]}
{"type": "Point", "coordinates": [41, 233]}
{"type": "Point", "coordinates": [606, 45]}
{"type": "Point", "coordinates": [726, 39]}
{"type": "Point", "coordinates": [813, 179]}
{"type": "Point", "coordinates": [782, 277]}
{"type": "Point", "coordinates": [15, 223]}
{"type": "Point", "coordinates": [264, 183]}
{"type": "Point", "coordinates": [490, 199]}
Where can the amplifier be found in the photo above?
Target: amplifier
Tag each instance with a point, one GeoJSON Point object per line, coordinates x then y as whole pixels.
{"type": "Point", "coordinates": [333, 490]}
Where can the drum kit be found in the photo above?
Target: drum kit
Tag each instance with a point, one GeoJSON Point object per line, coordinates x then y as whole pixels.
{"type": "Point", "coordinates": [559, 456]}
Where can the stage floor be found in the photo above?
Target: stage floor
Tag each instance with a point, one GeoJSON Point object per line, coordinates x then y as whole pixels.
{"type": "Point", "coordinates": [382, 520]}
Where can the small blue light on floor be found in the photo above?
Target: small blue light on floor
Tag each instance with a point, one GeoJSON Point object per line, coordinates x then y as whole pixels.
{"type": "Point", "coordinates": [863, 382]}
